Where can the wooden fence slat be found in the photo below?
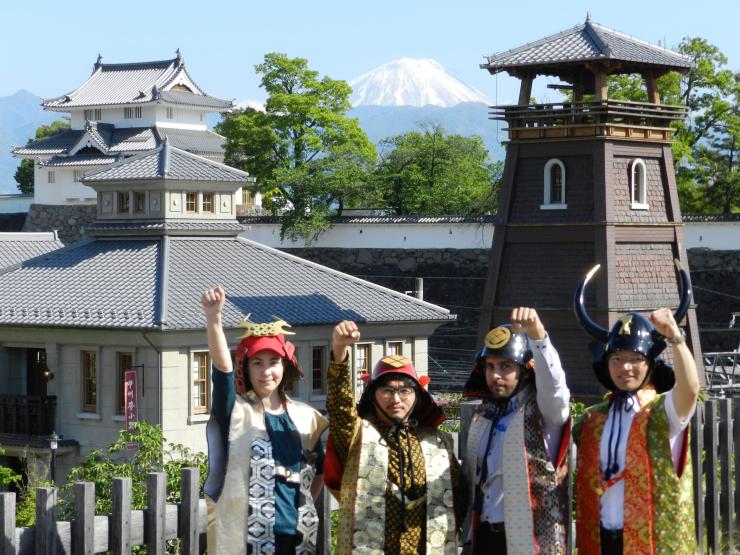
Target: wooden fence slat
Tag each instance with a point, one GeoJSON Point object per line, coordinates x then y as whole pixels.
{"type": "Point", "coordinates": [156, 493]}
{"type": "Point", "coordinates": [323, 540]}
{"type": "Point", "coordinates": [697, 447]}
{"type": "Point", "coordinates": [189, 511]}
{"type": "Point", "coordinates": [46, 521]}
{"type": "Point", "coordinates": [83, 541]}
{"type": "Point", "coordinates": [736, 447]}
{"type": "Point", "coordinates": [712, 498]}
{"type": "Point", "coordinates": [725, 460]}
{"type": "Point", "coordinates": [120, 537]}
{"type": "Point", "coordinates": [8, 545]}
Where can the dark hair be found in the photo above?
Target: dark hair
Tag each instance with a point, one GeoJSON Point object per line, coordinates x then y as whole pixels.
{"type": "Point", "coordinates": [383, 380]}
{"type": "Point", "coordinates": [291, 374]}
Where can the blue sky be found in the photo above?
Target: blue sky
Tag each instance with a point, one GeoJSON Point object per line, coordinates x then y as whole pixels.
{"type": "Point", "coordinates": [48, 47]}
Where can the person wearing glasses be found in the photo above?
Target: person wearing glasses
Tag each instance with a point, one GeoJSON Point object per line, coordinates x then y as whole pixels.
{"type": "Point", "coordinates": [516, 457]}
{"type": "Point", "coordinates": [400, 487]}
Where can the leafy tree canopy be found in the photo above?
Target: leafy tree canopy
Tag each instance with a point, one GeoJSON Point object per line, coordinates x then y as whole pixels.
{"type": "Point", "coordinates": [429, 172]}
{"type": "Point", "coordinates": [309, 158]}
{"type": "Point", "coordinates": [24, 173]}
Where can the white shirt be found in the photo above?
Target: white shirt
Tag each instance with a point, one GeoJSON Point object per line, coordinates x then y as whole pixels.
{"type": "Point", "coordinates": [612, 502]}
{"type": "Point", "coordinates": [553, 400]}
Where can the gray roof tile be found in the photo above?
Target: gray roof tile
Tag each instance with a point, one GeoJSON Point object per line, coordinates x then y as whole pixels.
{"type": "Point", "coordinates": [56, 144]}
{"type": "Point", "coordinates": [79, 159]}
{"type": "Point", "coordinates": [589, 41]}
{"type": "Point", "coordinates": [18, 247]}
{"type": "Point", "coordinates": [135, 83]}
{"type": "Point", "coordinates": [384, 220]}
{"type": "Point", "coordinates": [115, 283]}
{"type": "Point", "coordinates": [200, 100]}
{"type": "Point", "coordinates": [167, 162]}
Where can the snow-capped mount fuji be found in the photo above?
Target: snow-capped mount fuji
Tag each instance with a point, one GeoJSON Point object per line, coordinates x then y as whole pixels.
{"type": "Point", "coordinates": [412, 82]}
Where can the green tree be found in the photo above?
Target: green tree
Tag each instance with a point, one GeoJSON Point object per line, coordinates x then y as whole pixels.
{"type": "Point", "coordinates": [705, 144]}
{"type": "Point", "coordinates": [24, 173]}
{"type": "Point", "coordinates": [309, 158]}
{"type": "Point", "coordinates": [429, 172]}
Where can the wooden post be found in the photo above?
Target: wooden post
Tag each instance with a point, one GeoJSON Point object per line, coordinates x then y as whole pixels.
{"type": "Point", "coordinates": [651, 83]}
{"type": "Point", "coordinates": [188, 514]}
{"type": "Point", "coordinates": [120, 527]}
{"type": "Point", "coordinates": [8, 544]}
{"type": "Point", "coordinates": [736, 446]}
{"type": "Point", "coordinates": [600, 86]}
{"type": "Point", "coordinates": [697, 447]}
{"type": "Point", "coordinates": [725, 463]}
{"type": "Point", "coordinates": [46, 521]}
{"type": "Point", "coordinates": [525, 90]}
{"type": "Point", "coordinates": [710, 473]}
{"type": "Point", "coordinates": [83, 528]}
{"type": "Point", "coordinates": [323, 506]}
{"type": "Point", "coordinates": [154, 517]}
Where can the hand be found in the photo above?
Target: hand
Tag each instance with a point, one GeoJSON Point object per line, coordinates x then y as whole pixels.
{"type": "Point", "coordinates": [524, 319]}
{"type": "Point", "coordinates": [212, 301]}
{"type": "Point", "coordinates": [346, 333]}
{"type": "Point", "coordinates": [664, 323]}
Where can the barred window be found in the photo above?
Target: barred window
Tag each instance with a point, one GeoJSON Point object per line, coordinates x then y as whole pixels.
{"type": "Point", "coordinates": [93, 114]}
{"type": "Point", "coordinates": [123, 204]}
{"type": "Point", "coordinates": [89, 381]}
{"type": "Point", "coordinates": [170, 113]}
{"type": "Point", "coordinates": [139, 202]}
{"type": "Point", "coordinates": [208, 202]}
{"type": "Point", "coordinates": [132, 112]}
{"type": "Point", "coordinates": [51, 177]}
{"type": "Point", "coordinates": [191, 202]}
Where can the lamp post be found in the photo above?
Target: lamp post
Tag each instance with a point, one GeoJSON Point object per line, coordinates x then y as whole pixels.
{"type": "Point", "coordinates": [53, 440]}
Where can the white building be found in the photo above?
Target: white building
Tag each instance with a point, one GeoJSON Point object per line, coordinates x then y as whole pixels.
{"type": "Point", "coordinates": [119, 111]}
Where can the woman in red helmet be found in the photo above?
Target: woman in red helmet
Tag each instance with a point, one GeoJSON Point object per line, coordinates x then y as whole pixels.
{"type": "Point", "coordinates": [264, 449]}
{"type": "Point", "coordinates": [401, 487]}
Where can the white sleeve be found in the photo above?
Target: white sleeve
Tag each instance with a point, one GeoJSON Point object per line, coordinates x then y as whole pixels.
{"type": "Point", "coordinates": [553, 395]}
{"type": "Point", "coordinates": [675, 424]}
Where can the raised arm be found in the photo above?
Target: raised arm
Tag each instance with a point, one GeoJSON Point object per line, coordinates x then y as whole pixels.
{"type": "Point", "coordinates": [553, 395]}
{"type": "Point", "coordinates": [212, 301]}
{"type": "Point", "coordinates": [686, 390]}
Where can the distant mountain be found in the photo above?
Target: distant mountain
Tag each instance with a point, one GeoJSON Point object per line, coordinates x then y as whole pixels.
{"type": "Point", "coordinates": [412, 82]}
{"type": "Point", "coordinates": [20, 115]}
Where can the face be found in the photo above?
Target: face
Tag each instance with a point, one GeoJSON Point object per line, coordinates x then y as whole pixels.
{"type": "Point", "coordinates": [265, 372]}
{"type": "Point", "coordinates": [628, 369]}
{"type": "Point", "coordinates": [502, 376]}
{"type": "Point", "coordinates": [396, 399]}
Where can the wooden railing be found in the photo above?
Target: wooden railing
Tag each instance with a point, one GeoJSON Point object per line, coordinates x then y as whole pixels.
{"type": "Point", "coordinates": [605, 117]}
{"type": "Point", "coordinates": [27, 415]}
{"type": "Point", "coordinates": [124, 528]}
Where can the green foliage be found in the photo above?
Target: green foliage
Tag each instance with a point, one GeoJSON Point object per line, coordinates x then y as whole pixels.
{"type": "Point", "coordinates": [576, 409]}
{"type": "Point", "coordinates": [705, 147]}
{"type": "Point", "coordinates": [24, 174]}
{"type": "Point", "coordinates": [429, 172]}
{"type": "Point", "coordinates": [153, 455]}
{"type": "Point", "coordinates": [309, 158]}
{"type": "Point", "coordinates": [8, 477]}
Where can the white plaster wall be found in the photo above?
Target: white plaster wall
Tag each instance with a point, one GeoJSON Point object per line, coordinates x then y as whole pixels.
{"type": "Point", "coordinates": [10, 204]}
{"type": "Point", "coordinates": [183, 118]}
{"type": "Point", "coordinates": [713, 235]}
{"type": "Point", "coordinates": [64, 190]}
{"type": "Point", "coordinates": [379, 236]}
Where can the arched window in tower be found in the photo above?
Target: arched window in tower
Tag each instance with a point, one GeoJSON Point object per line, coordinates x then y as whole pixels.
{"type": "Point", "coordinates": [554, 180]}
{"type": "Point", "coordinates": [638, 185]}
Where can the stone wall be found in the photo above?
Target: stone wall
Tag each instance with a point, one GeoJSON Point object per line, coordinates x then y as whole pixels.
{"type": "Point", "coordinates": [69, 221]}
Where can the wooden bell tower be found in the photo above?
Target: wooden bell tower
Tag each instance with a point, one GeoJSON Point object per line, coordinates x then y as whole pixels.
{"type": "Point", "coordinates": [585, 182]}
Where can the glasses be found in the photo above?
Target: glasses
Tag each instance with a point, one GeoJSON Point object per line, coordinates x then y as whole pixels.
{"type": "Point", "coordinates": [389, 392]}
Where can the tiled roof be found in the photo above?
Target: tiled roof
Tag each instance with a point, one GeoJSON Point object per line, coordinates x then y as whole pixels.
{"type": "Point", "coordinates": [119, 284]}
{"type": "Point", "coordinates": [89, 284]}
{"type": "Point", "coordinates": [78, 160]}
{"type": "Point", "coordinates": [159, 227]}
{"type": "Point", "coordinates": [190, 99]}
{"type": "Point", "coordinates": [587, 42]}
{"type": "Point", "coordinates": [384, 220]}
{"type": "Point", "coordinates": [266, 282]}
{"type": "Point", "coordinates": [136, 83]}
{"type": "Point", "coordinates": [127, 140]}
{"type": "Point", "coordinates": [701, 218]}
{"type": "Point", "coordinates": [17, 247]}
{"type": "Point", "coordinates": [167, 162]}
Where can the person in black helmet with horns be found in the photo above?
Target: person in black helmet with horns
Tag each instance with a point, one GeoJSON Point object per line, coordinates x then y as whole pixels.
{"type": "Point", "coordinates": [634, 485]}
{"type": "Point", "coordinates": [517, 442]}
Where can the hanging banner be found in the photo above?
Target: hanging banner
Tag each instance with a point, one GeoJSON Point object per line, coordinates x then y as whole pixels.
{"type": "Point", "coordinates": [130, 403]}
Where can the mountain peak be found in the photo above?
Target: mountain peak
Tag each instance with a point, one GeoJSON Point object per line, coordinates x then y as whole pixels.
{"type": "Point", "coordinates": [411, 82]}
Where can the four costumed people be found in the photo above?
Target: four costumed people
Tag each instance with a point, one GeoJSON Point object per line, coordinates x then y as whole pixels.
{"type": "Point", "coordinates": [401, 488]}
{"type": "Point", "coordinates": [264, 449]}
{"type": "Point", "coordinates": [516, 453]}
{"type": "Point", "coordinates": [634, 486]}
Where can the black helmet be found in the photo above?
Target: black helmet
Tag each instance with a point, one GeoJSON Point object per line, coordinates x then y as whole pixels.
{"type": "Point", "coordinates": [632, 332]}
{"type": "Point", "coordinates": [505, 343]}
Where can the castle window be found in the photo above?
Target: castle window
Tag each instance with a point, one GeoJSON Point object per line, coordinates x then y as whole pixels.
{"type": "Point", "coordinates": [93, 114]}
{"type": "Point", "coordinates": [638, 185]}
{"type": "Point", "coordinates": [139, 202]}
{"type": "Point", "coordinates": [77, 174]}
{"type": "Point", "coordinates": [123, 204]}
{"type": "Point", "coordinates": [51, 177]}
{"type": "Point", "coordinates": [208, 202]}
{"type": "Point", "coordinates": [132, 112]}
{"type": "Point", "coordinates": [170, 113]}
{"type": "Point", "coordinates": [554, 186]}
{"type": "Point", "coordinates": [191, 202]}
{"type": "Point", "coordinates": [247, 197]}
{"type": "Point", "coordinates": [89, 381]}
